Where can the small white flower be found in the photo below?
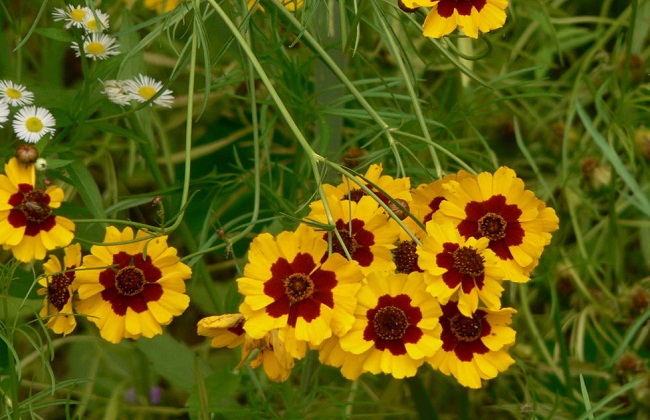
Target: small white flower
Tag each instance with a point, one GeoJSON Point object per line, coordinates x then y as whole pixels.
{"type": "Point", "coordinates": [72, 15]}
{"type": "Point", "coordinates": [14, 94]}
{"type": "Point", "coordinates": [40, 164]}
{"type": "Point", "coordinates": [95, 22]}
{"type": "Point", "coordinates": [117, 91]}
{"type": "Point", "coordinates": [4, 111]}
{"type": "Point", "coordinates": [31, 123]}
{"type": "Point", "coordinates": [97, 46]}
{"type": "Point", "coordinates": [143, 88]}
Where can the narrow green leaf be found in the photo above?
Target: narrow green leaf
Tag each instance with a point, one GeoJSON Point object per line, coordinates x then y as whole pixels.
{"type": "Point", "coordinates": [85, 184]}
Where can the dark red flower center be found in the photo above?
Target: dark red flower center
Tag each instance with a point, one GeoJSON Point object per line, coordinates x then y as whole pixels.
{"type": "Point", "coordinates": [406, 258]}
{"type": "Point", "coordinates": [463, 7]}
{"type": "Point", "coordinates": [347, 242]}
{"type": "Point", "coordinates": [357, 194]}
{"type": "Point", "coordinates": [462, 334]}
{"type": "Point", "coordinates": [57, 289]}
{"type": "Point", "coordinates": [390, 323]}
{"type": "Point", "coordinates": [31, 209]}
{"type": "Point", "coordinates": [492, 226]}
{"type": "Point", "coordinates": [466, 329]}
{"type": "Point", "coordinates": [298, 287]}
{"type": "Point", "coordinates": [129, 281]}
{"type": "Point", "coordinates": [468, 261]}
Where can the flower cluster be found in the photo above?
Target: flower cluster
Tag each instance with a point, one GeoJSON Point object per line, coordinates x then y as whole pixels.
{"type": "Point", "coordinates": [94, 43]}
{"type": "Point", "coordinates": [383, 278]}
{"type": "Point", "coordinates": [129, 286]}
{"type": "Point", "coordinates": [471, 15]}
{"type": "Point", "coordinates": [141, 89]}
{"type": "Point", "coordinates": [30, 123]}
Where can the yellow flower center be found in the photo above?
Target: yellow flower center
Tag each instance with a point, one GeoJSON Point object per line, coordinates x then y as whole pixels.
{"type": "Point", "coordinates": [95, 48]}
{"type": "Point", "coordinates": [34, 124]}
{"type": "Point", "coordinates": [468, 261]}
{"type": "Point", "coordinates": [298, 287]}
{"type": "Point", "coordinates": [129, 281]}
{"type": "Point", "coordinates": [390, 323]}
{"type": "Point", "coordinates": [91, 25]}
{"type": "Point", "coordinates": [77, 15]}
{"type": "Point", "coordinates": [13, 93]}
{"type": "Point", "coordinates": [146, 92]}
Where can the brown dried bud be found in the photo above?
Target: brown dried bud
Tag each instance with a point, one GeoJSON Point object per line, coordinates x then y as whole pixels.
{"type": "Point", "coordinates": [640, 299]}
{"type": "Point", "coordinates": [156, 200]}
{"type": "Point", "coordinates": [595, 173]}
{"type": "Point", "coordinates": [399, 212]}
{"type": "Point", "coordinates": [629, 363]}
{"type": "Point", "coordinates": [27, 154]}
{"type": "Point", "coordinates": [352, 156]}
{"type": "Point", "coordinates": [47, 182]}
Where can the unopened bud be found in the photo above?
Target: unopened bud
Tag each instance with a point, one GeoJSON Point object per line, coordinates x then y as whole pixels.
{"type": "Point", "coordinates": [40, 164]}
{"type": "Point", "coordinates": [156, 200]}
{"type": "Point", "coordinates": [26, 154]}
{"type": "Point", "coordinates": [402, 214]}
{"type": "Point", "coordinates": [596, 174]}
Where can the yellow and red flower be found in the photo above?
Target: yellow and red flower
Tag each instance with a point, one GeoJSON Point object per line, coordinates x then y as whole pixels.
{"type": "Point", "coordinates": [464, 269]}
{"type": "Point", "coordinates": [368, 233]}
{"type": "Point", "coordinates": [471, 15]}
{"type": "Point", "coordinates": [290, 284]}
{"type": "Point", "coordinates": [28, 225]}
{"type": "Point", "coordinates": [496, 206]}
{"type": "Point", "coordinates": [475, 347]}
{"type": "Point", "coordinates": [395, 329]}
{"type": "Point", "coordinates": [228, 331]}
{"type": "Point", "coordinates": [59, 286]}
{"type": "Point", "coordinates": [132, 285]}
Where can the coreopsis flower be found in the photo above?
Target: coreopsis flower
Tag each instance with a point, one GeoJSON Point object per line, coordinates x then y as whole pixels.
{"type": "Point", "coordinates": [14, 94]}
{"type": "Point", "coordinates": [474, 347]}
{"type": "Point", "coordinates": [31, 123]}
{"type": "Point", "coordinates": [72, 15]}
{"type": "Point", "coordinates": [395, 188]}
{"type": "Point", "coordinates": [59, 286]}
{"type": "Point", "coordinates": [464, 269]}
{"type": "Point", "coordinates": [4, 112]}
{"type": "Point", "coordinates": [97, 46]}
{"type": "Point", "coordinates": [395, 329]}
{"type": "Point", "coordinates": [496, 206]}
{"type": "Point", "coordinates": [143, 88]}
{"type": "Point", "coordinates": [28, 225]}
{"type": "Point", "coordinates": [95, 21]}
{"type": "Point", "coordinates": [471, 15]}
{"type": "Point", "coordinates": [291, 284]}
{"type": "Point", "coordinates": [117, 91]}
{"type": "Point", "coordinates": [132, 285]}
{"type": "Point", "coordinates": [368, 233]}
{"type": "Point", "coordinates": [227, 331]}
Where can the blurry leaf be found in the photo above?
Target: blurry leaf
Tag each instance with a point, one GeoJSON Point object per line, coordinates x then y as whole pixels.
{"type": "Point", "coordinates": [21, 284]}
{"type": "Point", "coordinates": [171, 359]}
{"type": "Point", "coordinates": [58, 34]}
{"type": "Point", "coordinates": [87, 188]}
{"type": "Point", "coordinates": [219, 389]}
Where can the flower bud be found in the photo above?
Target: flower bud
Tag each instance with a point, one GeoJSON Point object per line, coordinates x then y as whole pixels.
{"type": "Point", "coordinates": [27, 154]}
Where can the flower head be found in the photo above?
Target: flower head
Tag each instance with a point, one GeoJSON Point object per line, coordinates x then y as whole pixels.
{"type": "Point", "coordinates": [95, 21]}
{"type": "Point", "coordinates": [367, 233]}
{"type": "Point", "coordinates": [474, 347]}
{"type": "Point", "coordinates": [59, 286]}
{"type": "Point", "coordinates": [461, 268]}
{"type": "Point", "coordinates": [471, 15]}
{"type": "Point", "coordinates": [14, 94]}
{"type": "Point", "coordinates": [117, 91]}
{"type": "Point", "coordinates": [497, 207]}
{"type": "Point", "coordinates": [31, 123]}
{"type": "Point", "coordinates": [143, 88]}
{"type": "Point", "coordinates": [290, 284]}
{"type": "Point", "coordinates": [72, 15]}
{"type": "Point", "coordinates": [132, 289]}
{"type": "Point", "coordinates": [395, 328]}
{"type": "Point", "coordinates": [28, 225]}
{"type": "Point", "coordinates": [227, 331]}
{"type": "Point", "coordinates": [97, 46]}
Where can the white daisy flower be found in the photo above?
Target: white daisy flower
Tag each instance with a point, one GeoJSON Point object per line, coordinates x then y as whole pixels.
{"type": "Point", "coordinates": [117, 91]}
{"type": "Point", "coordinates": [31, 123]}
{"type": "Point", "coordinates": [4, 111]}
{"type": "Point", "coordinates": [97, 46]}
{"type": "Point", "coordinates": [95, 22]}
{"type": "Point", "coordinates": [72, 15]}
{"type": "Point", "coordinates": [14, 94]}
{"type": "Point", "coordinates": [143, 88]}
